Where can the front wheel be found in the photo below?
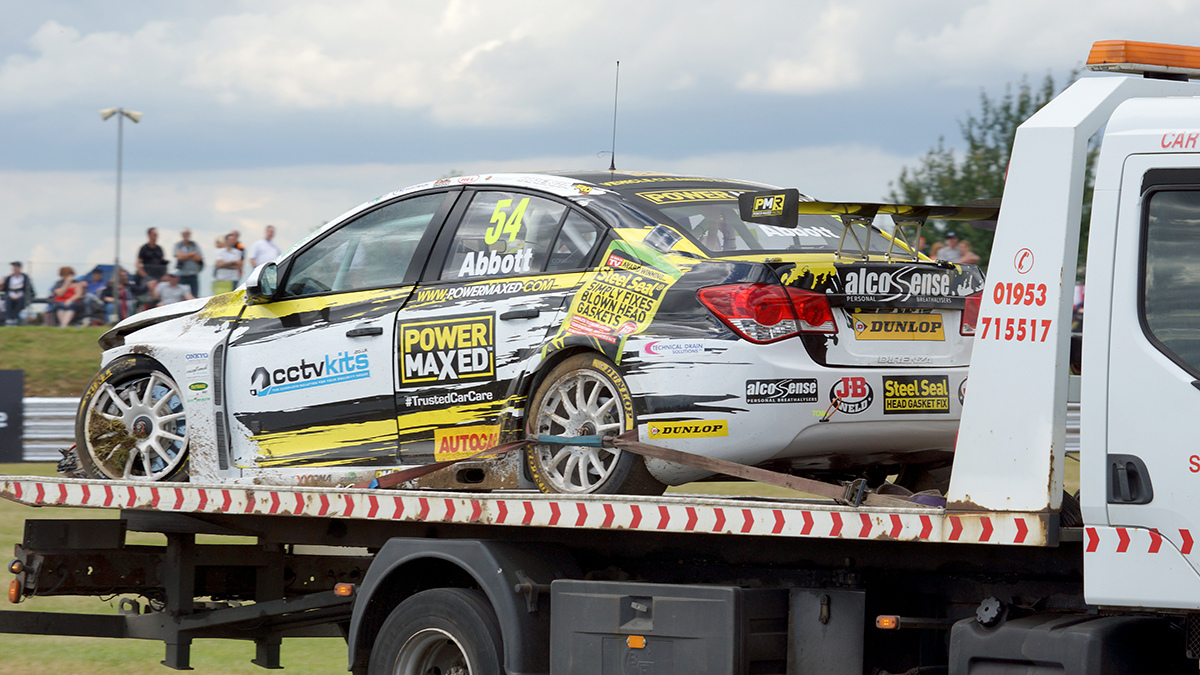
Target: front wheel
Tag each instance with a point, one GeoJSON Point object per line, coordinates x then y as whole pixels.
{"type": "Point", "coordinates": [582, 396]}
{"type": "Point", "coordinates": [131, 423]}
{"type": "Point", "coordinates": [448, 631]}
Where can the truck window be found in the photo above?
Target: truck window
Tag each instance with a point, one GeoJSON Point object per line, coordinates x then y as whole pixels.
{"type": "Point", "coordinates": [1170, 294]}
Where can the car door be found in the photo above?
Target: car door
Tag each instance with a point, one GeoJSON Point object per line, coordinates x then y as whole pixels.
{"type": "Point", "coordinates": [495, 289]}
{"type": "Point", "coordinates": [310, 375]}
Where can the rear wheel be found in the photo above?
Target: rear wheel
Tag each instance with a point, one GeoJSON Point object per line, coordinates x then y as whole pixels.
{"type": "Point", "coordinates": [444, 631]}
{"type": "Point", "coordinates": [582, 396]}
{"type": "Point", "coordinates": [131, 423]}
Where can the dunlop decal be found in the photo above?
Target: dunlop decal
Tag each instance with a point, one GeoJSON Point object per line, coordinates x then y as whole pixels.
{"type": "Point", "coordinates": [447, 349]}
{"type": "Point", "coordinates": [622, 390]}
{"type": "Point", "coordinates": [709, 429]}
{"type": "Point", "coordinates": [462, 442]}
{"type": "Point", "coordinates": [920, 327]}
{"type": "Point", "coordinates": [916, 395]}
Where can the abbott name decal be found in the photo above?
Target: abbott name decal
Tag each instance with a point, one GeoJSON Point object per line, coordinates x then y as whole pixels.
{"type": "Point", "coordinates": [709, 429]}
{"type": "Point", "coordinates": [449, 349]}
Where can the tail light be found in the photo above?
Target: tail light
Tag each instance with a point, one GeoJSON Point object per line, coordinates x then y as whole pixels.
{"type": "Point", "coordinates": [970, 314]}
{"type": "Point", "coordinates": [765, 313]}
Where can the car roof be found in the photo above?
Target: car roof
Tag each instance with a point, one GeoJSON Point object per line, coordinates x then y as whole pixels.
{"type": "Point", "coordinates": [629, 183]}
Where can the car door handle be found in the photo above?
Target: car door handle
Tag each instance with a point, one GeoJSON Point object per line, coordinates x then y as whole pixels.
{"type": "Point", "coordinates": [521, 313]}
{"type": "Point", "coordinates": [364, 332]}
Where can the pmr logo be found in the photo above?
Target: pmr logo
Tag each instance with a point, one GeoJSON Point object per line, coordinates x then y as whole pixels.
{"type": "Point", "coordinates": [854, 393]}
{"type": "Point", "coordinates": [768, 205]}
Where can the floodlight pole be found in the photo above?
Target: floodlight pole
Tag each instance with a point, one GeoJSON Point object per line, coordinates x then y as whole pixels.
{"type": "Point", "coordinates": [121, 114]}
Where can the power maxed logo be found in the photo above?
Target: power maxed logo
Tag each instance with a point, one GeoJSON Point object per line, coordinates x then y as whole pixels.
{"type": "Point", "coordinates": [448, 349]}
{"type": "Point", "coordinates": [326, 370]}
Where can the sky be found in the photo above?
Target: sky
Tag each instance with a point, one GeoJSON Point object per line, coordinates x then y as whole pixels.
{"type": "Point", "coordinates": [291, 112]}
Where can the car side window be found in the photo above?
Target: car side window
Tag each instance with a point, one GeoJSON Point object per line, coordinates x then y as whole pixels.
{"type": "Point", "coordinates": [371, 251]}
{"type": "Point", "coordinates": [503, 234]}
{"type": "Point", "coordinates": [1170, 301]}
{"type": "Point", "coordinates": [575, 241]}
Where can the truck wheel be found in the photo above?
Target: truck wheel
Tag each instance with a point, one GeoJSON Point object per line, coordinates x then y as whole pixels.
{"type": "Point", "coordinates": [585, 395]}
{"type": "Point", "coordinates": [449, 631]}
{"type": "Point", "coordinates": [131, 423]}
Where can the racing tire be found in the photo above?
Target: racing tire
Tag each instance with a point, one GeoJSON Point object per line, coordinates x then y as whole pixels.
{"type": "Point", "coordinates": [581, 396]}
{"type": "Point", "coordinates": [443, 630]}
{"type": "Point", "coordinates": [131, 423]}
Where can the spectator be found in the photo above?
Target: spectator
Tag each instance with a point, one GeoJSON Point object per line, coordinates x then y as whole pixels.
{"type": "Point", "coordinates": [170, 291]}
{"type": "Point", "coordinates": [948, 250]}
{"type": "Point", "coordinates": [965, 255]}
{"type": "Point", "coordinates": [68, 296]}
{"type": "Point", "coordinates": [96, 298]}
{"type": "Point", "coordinates": [264, 250]}
{"type": "Point", "coordinates": [151, 264]}
{"type": "Point", "coordinates": [18, 291]}
{"type": "Point", "coordinates": [189, 261]}
{"type": "Point", "coordinates": [228, 269]}
{"type": "Point", "coordinates": [126, 292]}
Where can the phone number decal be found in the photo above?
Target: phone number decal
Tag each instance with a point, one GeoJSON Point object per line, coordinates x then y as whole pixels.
{"type": "Point", "coordinates": [1019, 294]}
{"type": "Point", "coordinates": [1014, 330]}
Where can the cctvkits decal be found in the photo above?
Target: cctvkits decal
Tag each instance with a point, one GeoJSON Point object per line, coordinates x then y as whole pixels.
{"type": "Point", "coordinates": [325, 370]}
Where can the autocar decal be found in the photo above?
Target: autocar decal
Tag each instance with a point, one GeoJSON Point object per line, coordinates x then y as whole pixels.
{"type": "Point", "coordinates": [463, 441]}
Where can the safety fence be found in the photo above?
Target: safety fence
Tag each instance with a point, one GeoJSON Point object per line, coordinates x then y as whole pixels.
{"type": "Point", "coordinates": [50, 425]}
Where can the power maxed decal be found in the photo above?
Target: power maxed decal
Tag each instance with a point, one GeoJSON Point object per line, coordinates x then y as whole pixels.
{"type": "Point", "coordinates": [916, 395]}
{"type": "Point", "coordinates": [447, 349]}
{"type": "Point", "coordinates": [342, 367]}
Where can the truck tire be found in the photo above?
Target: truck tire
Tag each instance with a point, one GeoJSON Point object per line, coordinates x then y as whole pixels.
{"type": "Point", "coordinates": [131, 423]}
{"type": "Point", "coordinates": [585, 395]}
{"type": "Point", "coordinates": [452, 631]}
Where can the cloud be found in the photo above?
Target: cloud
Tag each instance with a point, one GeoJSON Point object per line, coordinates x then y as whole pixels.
{"type": "Point", "coordinates": [47, 231]}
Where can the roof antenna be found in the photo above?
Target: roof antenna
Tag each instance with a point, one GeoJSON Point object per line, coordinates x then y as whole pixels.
{"type": "Point", "coordinates": [612, 166]}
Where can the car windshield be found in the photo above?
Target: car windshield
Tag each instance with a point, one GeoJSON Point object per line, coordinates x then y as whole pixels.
{"type": "Point", "coordinates": [719, 229]}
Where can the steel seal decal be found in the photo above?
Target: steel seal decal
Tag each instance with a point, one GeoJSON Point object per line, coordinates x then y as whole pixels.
{"type": "Point", "coordinates": [709, 429]}
{"type": "Point", "coordinates": [447, 349]}
{"type": "Point", "coordinates": [791, 390]}
{"type": "Point", "coordinates": [916, 394]}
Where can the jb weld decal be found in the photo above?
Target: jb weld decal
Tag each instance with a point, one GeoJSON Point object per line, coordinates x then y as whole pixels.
{"type": "Point", "coordinates": [447, 350]}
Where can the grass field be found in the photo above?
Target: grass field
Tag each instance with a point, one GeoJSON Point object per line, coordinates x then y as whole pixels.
{"type": "Point", "coordinates": [56, 361]}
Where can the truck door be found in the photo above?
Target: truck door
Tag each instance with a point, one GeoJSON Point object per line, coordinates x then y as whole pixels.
{"type": "Point", "coordinates": [1152, 468]}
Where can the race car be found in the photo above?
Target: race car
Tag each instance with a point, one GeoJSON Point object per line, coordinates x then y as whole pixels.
{"type": "Point", "coordinates": [722, 318]}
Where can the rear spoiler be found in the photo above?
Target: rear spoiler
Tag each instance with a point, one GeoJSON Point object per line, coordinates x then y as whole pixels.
{"type": "Point", "coordinates": [782, 208]}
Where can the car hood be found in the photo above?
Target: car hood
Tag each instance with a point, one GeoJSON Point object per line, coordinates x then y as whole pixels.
{"type": "Point", "coordinates": [115, 337]}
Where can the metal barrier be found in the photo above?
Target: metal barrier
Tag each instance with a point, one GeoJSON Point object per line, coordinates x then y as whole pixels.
{"type": "Point", "coordinates": [50, 425]}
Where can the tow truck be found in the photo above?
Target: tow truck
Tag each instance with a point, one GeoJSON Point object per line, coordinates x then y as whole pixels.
{"type": "Point", "coordinates": [995, 581]}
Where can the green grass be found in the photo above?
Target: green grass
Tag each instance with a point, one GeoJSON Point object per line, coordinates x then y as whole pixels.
{"type": "Point", "coordinates": [23, 654]}
{"type": "Point", "coordinates": [56, 361]}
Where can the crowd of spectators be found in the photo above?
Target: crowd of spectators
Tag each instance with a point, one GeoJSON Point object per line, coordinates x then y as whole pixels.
{"type": "Point", "coordinates": [95, 298]}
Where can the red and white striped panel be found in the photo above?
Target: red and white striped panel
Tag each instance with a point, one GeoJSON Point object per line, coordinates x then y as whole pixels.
{"type": "Point", "coordinates": [1136, 540]}
{"type": "Point", "coordinates": [671, 513]}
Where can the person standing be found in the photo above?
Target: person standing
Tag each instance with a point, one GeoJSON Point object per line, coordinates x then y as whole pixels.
{"type": "Point", "coordinates": [189, 261]}
{"type": "Point", "coordinates": [18, 291]}
{"type": "Point", "coordinates": [228, 268]}
{"type": "Point", "coordinates": [151, 263]}
{"type": "Point", "coordinates": [948, 251]}
{"type": "Point", "coordinates": [264, 250]}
